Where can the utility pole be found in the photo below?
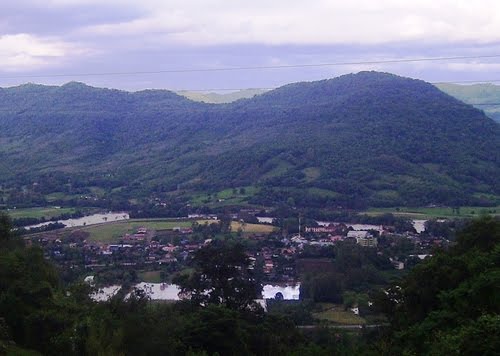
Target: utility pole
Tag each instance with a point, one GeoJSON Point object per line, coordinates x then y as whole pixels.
{"type": "Point", "coordinates": [299, 227]}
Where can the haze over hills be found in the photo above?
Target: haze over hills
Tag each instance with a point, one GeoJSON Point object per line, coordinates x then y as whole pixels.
{"type": "Point", "coordinates": [477, 94]}
{"type": "Point", "coordinates": [361, 139]}
{"type": "Point", "coordinates": [217, 98]}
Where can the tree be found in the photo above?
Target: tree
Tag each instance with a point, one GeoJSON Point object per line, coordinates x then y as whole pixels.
{"type": "Point", "coordinates": [222, 276]}
{"type": "Point", "coordinates": [7, 239]}
{"type": "Point", "coordinates": [451, 299]}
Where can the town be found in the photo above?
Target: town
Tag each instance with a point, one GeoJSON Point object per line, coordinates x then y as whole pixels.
{"type": "Point", "coordinates": [156, 250]}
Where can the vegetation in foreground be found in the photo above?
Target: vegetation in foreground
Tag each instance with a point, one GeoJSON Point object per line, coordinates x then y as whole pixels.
{"type": "Point", "coordinates": [449, 304]}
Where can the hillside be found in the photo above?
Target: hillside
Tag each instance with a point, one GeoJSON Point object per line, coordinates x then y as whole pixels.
{"type": "Point", "coordinates": [477, 94]}
{"type": "Point", "coordinates": [362, 139]}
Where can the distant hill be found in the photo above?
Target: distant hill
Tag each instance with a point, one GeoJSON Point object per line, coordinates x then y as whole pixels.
{"type": "Point", "coordinates": [477, 94]}
{"type": "Point", "coordinates": [217, 98]}
{"type": "Point", "coordinates": [361, 139]}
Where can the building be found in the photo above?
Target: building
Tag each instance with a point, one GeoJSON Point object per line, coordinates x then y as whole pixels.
{"type": "Point", "coordinates": [363, 238]}
{"type": "Point", "coordinates": [367, 241]}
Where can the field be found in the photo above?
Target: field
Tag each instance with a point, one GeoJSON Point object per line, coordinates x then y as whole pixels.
{"type": "Point", "coordinates": [246, 228]}
{"type": "Point", "coordinates": [438, 212]}
{"type": "Point", "coordinates": [38, 212]}
{"type": "Point", "coordinates": [336, 314]}
{"type": "Point", "coordinates": [150, 276]}
{"type": "Point", "coordinates": [225, 197]}
{"type": "Point", "coordinates": [252, 228]}
{"type": "Point", "coordinates": [52, 197]}
{"type": "Point", "coordinates": [111, 232]}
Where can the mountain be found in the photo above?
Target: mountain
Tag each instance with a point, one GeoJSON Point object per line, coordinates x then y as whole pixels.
{"type": "Point", "coordinates": [477, 95]}
{"type": "Point", "coordinates": [216, 98]}
{"type": "Point", "coordinates": [360, 139]}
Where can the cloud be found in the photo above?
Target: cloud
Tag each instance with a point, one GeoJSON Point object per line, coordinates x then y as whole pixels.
{"type": "Point", "coordinates": [214, 22]}
{"type": "Point", "coordinates": [27, 52]}
{"type": "Point", "coordinates": [100, 36]}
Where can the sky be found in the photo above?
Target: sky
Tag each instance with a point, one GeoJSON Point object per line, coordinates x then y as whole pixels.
{"type": "Point", "coordinates": [57, 41]}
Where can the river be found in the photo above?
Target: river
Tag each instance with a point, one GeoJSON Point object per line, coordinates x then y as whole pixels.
{"type": "Point", "coordinates": [165, 291]}
{"type": "Point", "coordinates": [87, 220]}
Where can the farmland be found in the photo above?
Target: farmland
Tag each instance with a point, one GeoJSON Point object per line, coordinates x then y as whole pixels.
{"type": "Point", "coordinates": [111, 232]}
{"type": "Point", "coordinates": [336, 314]}
{"type": "Point", "coordinates": [436, 212]}
{"type": "Point", "coordinates": [46, 212]}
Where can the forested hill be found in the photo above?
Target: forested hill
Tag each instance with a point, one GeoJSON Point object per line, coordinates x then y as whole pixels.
{"type": "Point", "coordinates": [368, 138]}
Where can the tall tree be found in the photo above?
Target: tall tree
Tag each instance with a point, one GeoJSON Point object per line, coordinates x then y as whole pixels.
{"type": "Point", "coordinates": [222, 275]}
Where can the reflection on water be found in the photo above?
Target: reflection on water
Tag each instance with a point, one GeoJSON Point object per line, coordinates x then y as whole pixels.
{"type": "Point", "coordinates": [165, 291]}
{"type": "Point", "coordinates": [87, 220]}
{"type": "Point", "coordinates": [290, 292]}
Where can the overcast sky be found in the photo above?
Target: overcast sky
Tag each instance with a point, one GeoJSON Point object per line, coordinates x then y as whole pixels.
{"type": "Point", "coordinates": [59, 37]}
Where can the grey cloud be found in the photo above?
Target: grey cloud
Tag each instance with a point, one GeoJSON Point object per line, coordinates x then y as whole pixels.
{"type": "Point", "coordinates": [34, 18]}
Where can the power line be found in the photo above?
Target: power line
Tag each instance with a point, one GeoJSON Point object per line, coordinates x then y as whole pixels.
{"type": "Point", "coordinates": [208, 90]}
{"type": "Point", "coordinates": [225, 69]}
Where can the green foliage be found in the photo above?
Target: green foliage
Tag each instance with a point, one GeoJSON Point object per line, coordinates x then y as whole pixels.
{"type": "Point", "coordinates": [452, 298]}
{"type": "Point", "coordinates": [356, 269]}
{"type": "Point", "coordinates": [222, 276]}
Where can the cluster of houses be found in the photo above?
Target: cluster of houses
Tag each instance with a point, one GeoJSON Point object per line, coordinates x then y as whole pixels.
{"type": "Point", "coordinates": [173, 247]}
{"type": "Point", "coordinates": [328, 235]}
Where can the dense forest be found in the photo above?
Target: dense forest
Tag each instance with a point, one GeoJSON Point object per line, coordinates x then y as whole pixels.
{"type": "Point", "coordinates": [448, 304]}
{"type": "Point", "coordinates": [366, 139]}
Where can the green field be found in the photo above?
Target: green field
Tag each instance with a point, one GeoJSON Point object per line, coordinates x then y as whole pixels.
{"type": "Point", "coordinates": [52, 197]}
{"type": "Point", "coordinates": [336, 314]}
{"type": "Point", "coordinates": [150, 277]}
{"type": "Point", "coordinates": [252, 228]}
{"type": "Point", "coordinates": [246, 228]}
{"type": "Point", "coordinates": [38, 212]}
{"type": "Point", "coordinates": [438, 212]}
{"type": "Point", "coordinates": [224, 197]}
{"type": "Point", "coordinates": [111, 232]}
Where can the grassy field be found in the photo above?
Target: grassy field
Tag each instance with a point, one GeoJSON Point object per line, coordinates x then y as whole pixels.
{"type": "Point", "coordinates": [111, 232]}
{"type": "Point", "coordinates": [224, 197]}
{"type": "Point", "coordinates": [150, 276]}
{"type": "Point", "coordinates": [246, 228]}
{"type": "Point", "coordinates": [438, 212]}
{"type": "Point", "coordinates": [59, 196]}
{"type": "Point", "coordinates": [252, 228]}
{"type": "Point", "coordinates": [38, 212]}
{"type": "Point", "coordinates": [336, 314]}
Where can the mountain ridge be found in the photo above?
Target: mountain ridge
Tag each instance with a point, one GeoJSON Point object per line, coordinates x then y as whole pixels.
{"type": "Point", "coordinates": [369, 137]}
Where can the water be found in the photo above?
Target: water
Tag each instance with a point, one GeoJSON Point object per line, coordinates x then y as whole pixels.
{"type": "Point", "coordinates": [105, 293]}
{"type": "Point", "coordinates": [419, 225]}
{"type": "Point", "coordinates": [87, 220]}
{"type": "Point", "coordinates": [356, 227]}
{"type": "Point", "coordinates": [290, 292]}
{"type": "Point", "coordinates": [165, 291]}
{"type": "Point", "coordinates": [160, 291]}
